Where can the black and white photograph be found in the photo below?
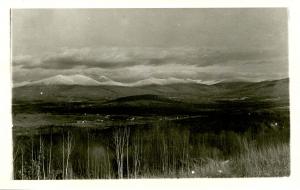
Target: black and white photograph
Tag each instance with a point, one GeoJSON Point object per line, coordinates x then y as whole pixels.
{"type": "Point", "coordinates": [139, 93]}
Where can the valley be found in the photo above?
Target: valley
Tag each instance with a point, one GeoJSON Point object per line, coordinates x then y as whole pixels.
{"type": "Point", "coordinates": [187, 125]}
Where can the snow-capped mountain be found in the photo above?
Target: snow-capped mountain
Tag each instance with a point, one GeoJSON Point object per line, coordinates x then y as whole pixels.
{"type": "Point", "coordinates": [170, 80]}
{"type": "Point", "coordinates": [109, 82]}
{"type": "Point", "coordinates": [21, 84]}
{"type": "Point", "coordinates": [103, 80]}
{"type": "Point", "coordinates": [63, 80]}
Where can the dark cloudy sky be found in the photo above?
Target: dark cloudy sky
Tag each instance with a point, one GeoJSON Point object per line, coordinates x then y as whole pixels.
{"type": "Point", "coordinates": [132, 44]}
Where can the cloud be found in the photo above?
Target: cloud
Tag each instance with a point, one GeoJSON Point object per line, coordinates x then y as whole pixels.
{"type": "Point", "coordinates": [113, 57]}
{"type": "Point", "coordinates": [135, 63]}
{"type": "Point", "coordinates": [240, 57]}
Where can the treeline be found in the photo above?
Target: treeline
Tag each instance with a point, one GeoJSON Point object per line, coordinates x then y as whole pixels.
{"type": "Point", "coordinates": [166, 149]}
{"type": "Point", "coordinates": [143, 105]}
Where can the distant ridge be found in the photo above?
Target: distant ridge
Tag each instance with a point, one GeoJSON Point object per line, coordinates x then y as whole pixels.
{"type": "Point", "coordinates": [103, 80]}
{"type": "Point", "coordinates": [143, 97]}
{"type": "Point", "coordinates": [62, 80]}
{"type": "Point", "coordinates": [170, 80]}
{"type": "Point", "coordinates": [193, 92]}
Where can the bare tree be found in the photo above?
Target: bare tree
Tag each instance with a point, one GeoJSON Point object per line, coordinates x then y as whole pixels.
{"type": "Point", "coordinates": [108, 161]}
{"type": "Point", "coordinates": [69, 150]}
{"type": "Point", "coordinates": [185, 150]}
{"type": "Point", "coordinates": [127, 133]}
{"type": "Point", "coordinates": [88, 154]}
{"type": "Point", "coordinates": [32, 159]}
{"type": "Point", "coordinates": [22, 162]}
{"type": "Point", "coordinates": [39, 158]}
{"type": "Point", "coordinates": [120, 139]}
{"type": "Point", "coordinates": [50, 155]}
{"type": "Point", "coordinates": [43, 162]}
{"type": "Point", "coordinates": [136, 154]}
{"type": "Point", "coordinates": [63, 154]}
{"type": "Point", "coordinates": [118, 142]}
{"type": "Point", "coordinates": [165, 160]}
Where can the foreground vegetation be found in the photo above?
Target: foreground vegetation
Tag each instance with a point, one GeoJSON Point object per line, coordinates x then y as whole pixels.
{"type": "Point", "coordinates": [268, 161]}
{"type": "Point", "coordinates": [165, 149]}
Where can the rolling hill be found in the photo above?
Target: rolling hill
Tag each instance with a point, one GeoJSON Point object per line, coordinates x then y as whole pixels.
{"type": "Point", "coordinates": [189, 92]}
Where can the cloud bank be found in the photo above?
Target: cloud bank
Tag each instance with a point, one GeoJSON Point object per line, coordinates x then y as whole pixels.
{"type": "Point", "coordinates": [137, 63]}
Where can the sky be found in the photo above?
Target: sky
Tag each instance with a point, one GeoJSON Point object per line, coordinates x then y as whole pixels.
{"type": "Point", "coordinates": [128, 45]}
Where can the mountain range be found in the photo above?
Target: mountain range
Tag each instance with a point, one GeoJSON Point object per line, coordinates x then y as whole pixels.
{"type": "Point", "coordinates": [105, 81]}
{"type": "Point", "coordinates": [82, 88]}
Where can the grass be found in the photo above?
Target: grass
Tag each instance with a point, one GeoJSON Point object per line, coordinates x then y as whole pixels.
{"type": "Point", "coordinates": [267, 161]}
{"type": "Point", "coordinates": [270, 161]}
{"type": "Point", "coordinates": [212, 168]}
